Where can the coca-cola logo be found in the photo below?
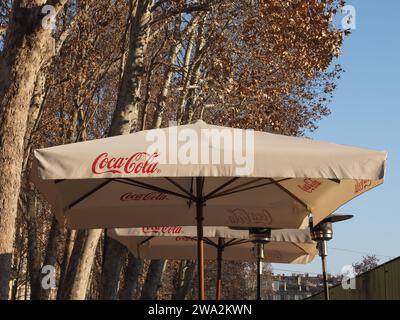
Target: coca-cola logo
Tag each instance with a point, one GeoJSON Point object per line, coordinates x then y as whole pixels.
{"type": "Point", "coordinates": [138, 163]}
{"type": "Point", "coordinates": [361, 185]}
{"type": "Point", "coordinates": [162, 230]}
{"type": "Point", "coordinates": [310, 185]}
{"type": "Point", "coordinates": [240, 216]}
{"type": "Point", "coordinates": [151, 196]}
{"type": "Point", "coordinates": [184, 239]}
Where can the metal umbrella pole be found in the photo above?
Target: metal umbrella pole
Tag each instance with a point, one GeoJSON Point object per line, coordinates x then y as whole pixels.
{"type": "Point", "coordinates": [323, 253]}
{"type": "Point", "coordinates": [218, 286]}
{"type": "Point", "coordinates": [260, 255]}
{"type": "Point", "coordinates": [322, 233]}
{"type": "Point", "coordinates": [200, 241]}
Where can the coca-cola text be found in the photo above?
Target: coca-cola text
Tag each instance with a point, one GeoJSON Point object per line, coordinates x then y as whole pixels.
{"type": "Point", "coordinates": [140, 163]}
{"type": "Point", "coordinates": [151, 196]}
{"type": "Point", "coordinates": [162, 230]}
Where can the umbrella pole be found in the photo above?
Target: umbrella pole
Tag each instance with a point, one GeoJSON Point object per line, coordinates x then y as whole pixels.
{"type": "Point", "coordinates": [259, 254]}
{"type": "Point", "coordinates": [323, 252]}
{"type": "Point", "coordinates": [200, 241]}
{"type": "Point", "coordinates": [218, 286]}
{"type": "Point", "coordinates": [259, 271]}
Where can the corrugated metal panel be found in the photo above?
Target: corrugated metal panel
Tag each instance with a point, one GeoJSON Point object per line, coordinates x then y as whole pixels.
{"type": "Point", "coordinates": [392, 272]}
{"type": "Point", "coordinates": [380, 283]}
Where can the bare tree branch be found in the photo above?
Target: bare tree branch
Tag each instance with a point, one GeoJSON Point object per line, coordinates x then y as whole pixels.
{"type": "Point", "coordinates": [186, 9]}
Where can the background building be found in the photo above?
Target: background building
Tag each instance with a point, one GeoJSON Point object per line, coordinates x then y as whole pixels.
{"type": "Point", "coordinates": [297, 286]}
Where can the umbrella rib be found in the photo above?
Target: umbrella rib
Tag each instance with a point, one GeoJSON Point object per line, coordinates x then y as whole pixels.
{"type": "Point", "coordinates": [80, 199]}
{"type": "Point", "coordinates": [206, 241]}
{"type": "Point", "coordinates": [235, 242]}
{"type": "Point", "coordinates": [226, 193]}
{"type": "Point", "coordinates": [176, 184]}
{"type": "Point", "coordinates": [146, 240]}
{"type": "Point", "coordinates": [221, 187]}
{"type": "Point", "coordinates": [242, 185]}
{"type": "Point", "coordinates": [150, 187]}
{"type": "Point", "coordinates": [229, 191]}
{"type": "Point", "coordinates": [228, 243]}
{"type": "Point", "coordinates": [210, 242]}
{"type": "Point", "coordinates": [191, 191]}
{"type": "Point", "coordinates": [289, 193]}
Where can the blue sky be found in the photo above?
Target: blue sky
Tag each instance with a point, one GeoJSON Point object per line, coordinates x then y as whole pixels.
{"type": "Point", "coordinates": [366, 113]}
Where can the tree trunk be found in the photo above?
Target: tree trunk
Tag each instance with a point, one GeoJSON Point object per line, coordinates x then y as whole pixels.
{"type": "Point", "coordinates": [132, 274]}
{"type": "Point", "coordinates": [173, 53]}
{"type": "Point", "coordinates": [161, 101]}
{"type": "Point", "coordinates": [50, 258]}
{"type": "Point", "coordinates": [153, 280]}
{"type": "Point", "coordinates": [125, 119]}
{"type": "Point", "coordinates": [33, 253]}
{"type": "Point", "coordinates": [69, 245]}
{"type": "Point", "coordinates": [115, 257]}
{"type": "Point", "coordinates": [194, 74]}
{"type": "Point", "coordinates": [126, 113]}
{"type": "Point", "coordinates": [36, 104]}
{"type": "Point", "coordinates": [26, 46]}
{"type": "Point", "coordinates": [80, 264]}
{"type": "Point", "coordinates": [185, 80]}
{"type": "Point", "coordinates": [184, 280]}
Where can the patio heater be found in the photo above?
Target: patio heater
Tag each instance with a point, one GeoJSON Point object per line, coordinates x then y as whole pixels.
{"type": "Point", "coordinates": [322, 233]}
{"type": "Point", "coordinates": [260, 237]}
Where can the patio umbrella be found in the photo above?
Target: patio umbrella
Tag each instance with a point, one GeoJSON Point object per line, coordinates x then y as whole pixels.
{"type": "Point", "coordinates": [173, 175]}
{"type": "Point", "coordinates": [179, 243]}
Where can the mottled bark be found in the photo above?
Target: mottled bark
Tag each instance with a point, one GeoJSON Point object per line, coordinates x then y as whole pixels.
{"type": "Point", "coordinates": [115, 256]}
{"type": "Point", "coordinates": [185, 80]}
{"type": "Point", "coordinates": [26, 47]}
{"type": "Point", "coordinates": [126, 113]}
{"type": "Point", "coordinates": [68, 248]}
{"type": "Point", "coordinates": [193, 78]}
{"type": "Point", "coordinates": [153, 280]}
{"type": "Point", "coordinates": [36, 104]}
{"type": "Point", "coordinates": [173, 53]}
{"type": "Point", "coordinates": [80, 264]}
{"type": "Point", "coordinates": [14, 289]}
{"type": "Point", "coordinates": [50, 258]}
{"type": "Point", "coordinates": [162, 98]}
{"type": "Point", "coordinates": [184, 279]}
{"type": "Point", "coordinates": [33, 257]}
{"type": "Point", "coordinates": [133, 271]}
{"type": "Point", "coordinates": [125, 119]}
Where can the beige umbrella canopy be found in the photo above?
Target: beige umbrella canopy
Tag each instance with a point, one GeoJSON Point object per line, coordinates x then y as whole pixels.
{"type": "Point", "coordinates": [125, 181]}
{"type": "Point", "coordinates": [222, 176]}
{"type": "Point", "coordinates": [179, 243]}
